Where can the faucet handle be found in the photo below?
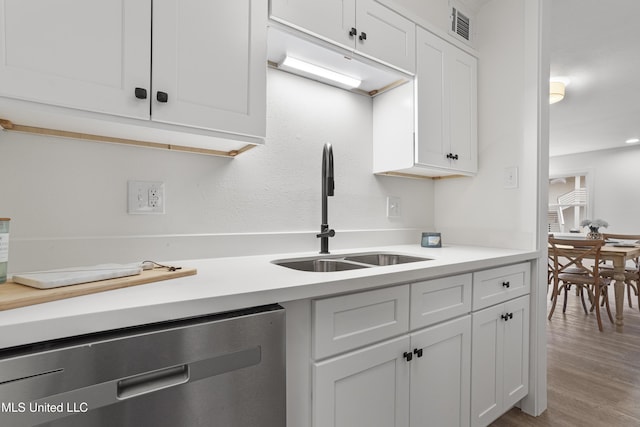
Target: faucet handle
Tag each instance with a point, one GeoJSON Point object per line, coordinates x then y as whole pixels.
{"type": "Point", "coordinates": [328, 233]}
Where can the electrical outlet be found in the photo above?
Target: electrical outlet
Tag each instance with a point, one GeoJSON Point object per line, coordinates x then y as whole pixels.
{"type": "Point", "coordinates": [393, 207]}
{"type": "Point", "coordinates": [145, 197]}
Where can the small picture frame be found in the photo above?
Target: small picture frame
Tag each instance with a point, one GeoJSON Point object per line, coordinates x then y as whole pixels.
{"type": "Point", "coordinates": [431, 240]}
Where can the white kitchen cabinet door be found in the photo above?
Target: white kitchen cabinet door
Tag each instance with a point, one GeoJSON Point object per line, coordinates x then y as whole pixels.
{"type": "Point", "coordinates": [209, 64]}
{"type": "Point", "coordinates": [365, 388]}
{"type": "Point", "coordinates": [89, 55]}
{"type": "Point", "coordinates": [363, 26]}
{"type": "Point", "coordinates": [446, 103]}
{"type": "Point", "coordinates": [329, 20]}
{"type": "Point", "coordinates": [500, 359]}
{"type": "Point", "coordinates": [386, 36]}
{"type": "Point", "coordinates": [440, 374]}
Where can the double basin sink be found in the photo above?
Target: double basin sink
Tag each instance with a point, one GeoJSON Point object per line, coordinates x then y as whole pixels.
{"type": "Point", "coordinates": [328, 263]}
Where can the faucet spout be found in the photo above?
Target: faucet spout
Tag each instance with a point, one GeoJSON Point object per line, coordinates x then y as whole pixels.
{"type": "Point", "coordinates": [328, 187]}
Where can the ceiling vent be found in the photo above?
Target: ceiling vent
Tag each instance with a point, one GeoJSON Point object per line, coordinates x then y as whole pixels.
{"type": "Point", "coordinates": [460, 24]}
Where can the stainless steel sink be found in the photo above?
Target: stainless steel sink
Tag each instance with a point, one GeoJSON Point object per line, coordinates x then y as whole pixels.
{"type": "Point", "coordinates": [327, 263]}
{"type": "Point", "coordinates": [384, 259]}
{"type": "Point", "coordinates": [321, 265]}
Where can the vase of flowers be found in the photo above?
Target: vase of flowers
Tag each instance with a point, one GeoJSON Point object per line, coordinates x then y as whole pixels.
{"type": "Point", "coordinates": [594, 227]}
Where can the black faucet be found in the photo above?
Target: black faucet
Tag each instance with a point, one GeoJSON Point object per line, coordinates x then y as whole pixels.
{"type": "Point", "coordinates": [327, 190]}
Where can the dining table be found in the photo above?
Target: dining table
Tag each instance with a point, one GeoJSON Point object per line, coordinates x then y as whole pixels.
{"type": "Point", "coordinates": [618, 254]}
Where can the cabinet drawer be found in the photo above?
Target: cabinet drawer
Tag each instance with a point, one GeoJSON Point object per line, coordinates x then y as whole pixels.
{"type": "Point", "coordinates": [349, 321]}
{"type": "Point", "coordinates": [500, 284]}
{"type": "Point", "coordinates": [436, 300]}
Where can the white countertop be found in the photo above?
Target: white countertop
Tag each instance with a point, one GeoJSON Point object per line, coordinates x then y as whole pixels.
{"type": "Point", "coordinates": [224, 284]}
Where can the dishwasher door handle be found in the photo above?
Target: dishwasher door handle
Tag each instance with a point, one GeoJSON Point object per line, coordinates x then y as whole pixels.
{"type": "Point", "coordinates": [152, 381]}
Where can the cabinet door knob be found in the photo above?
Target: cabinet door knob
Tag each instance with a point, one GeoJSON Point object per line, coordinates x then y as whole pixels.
{"type": "Point", "coordinates": [407, 356]}
{"type": "Point", "coordinates": [363, 36]}
{"type": "Point", "coordinates": [506, 284]}
{"type": "Point", "coordinates": [507, 316]}
{"type": "Point", "coordinates": [353, 32]}
{"type": "Point", "coordinates": [417, 352]}
{"type": "Point", "coordinates": [162, 96]}
{"type": "Point", "coordinates": [454, 157]}
{"type": "Point", "coordinates": [141, 93]}
{"type": "Point", "coordinates": [449, 155]}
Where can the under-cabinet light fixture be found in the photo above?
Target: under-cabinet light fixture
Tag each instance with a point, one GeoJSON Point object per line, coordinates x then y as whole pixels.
{"type": "Point", "coordinates": [632, 140]}
{"type": "Point", "coordinates": [319, 71]}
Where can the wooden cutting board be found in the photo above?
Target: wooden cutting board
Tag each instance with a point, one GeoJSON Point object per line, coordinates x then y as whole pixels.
{"type": "Point", "coordinates": [14, 295]}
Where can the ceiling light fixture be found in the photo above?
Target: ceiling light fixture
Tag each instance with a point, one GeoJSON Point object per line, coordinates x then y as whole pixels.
{"type": "Point", "coordinates": [632, 140]}
{"type": "Point", "coordinates": [557, 87]}
{"type": "Point", "coordinates": [556, 92]}
{"type": "Point", "coordinates": [316, 70]}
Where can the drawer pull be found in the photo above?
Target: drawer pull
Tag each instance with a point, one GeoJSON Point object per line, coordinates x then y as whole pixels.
{"type": "Point", "coordinates": [417, 352]}
{"type": "Point", "coordinates": [507, 316]}
{"type": "Point", "coordinates": [506, 284]}
{"type": "Point", "coordinates": [407, 356]}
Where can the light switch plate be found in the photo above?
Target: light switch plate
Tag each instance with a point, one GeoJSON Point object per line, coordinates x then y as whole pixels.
{"type": "Point", "coordinates": [510, 179]}
{"type": "Point", "coordinates": [393, 207]}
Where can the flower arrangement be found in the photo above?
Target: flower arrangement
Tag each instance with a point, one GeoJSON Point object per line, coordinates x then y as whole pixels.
{"type": "Point", "coordinates": [594, 225]}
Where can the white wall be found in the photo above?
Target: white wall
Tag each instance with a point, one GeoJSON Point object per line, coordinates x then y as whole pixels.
{"type": "Point", "coordinates": [67, 198]}
{"type": "Point", "coordinates": [615, 177]}
{"type": "Point", "coordinates": [480, 210]}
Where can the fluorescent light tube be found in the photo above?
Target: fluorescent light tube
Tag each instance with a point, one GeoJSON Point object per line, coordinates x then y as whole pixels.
{"type": "Point", "coordinates": [319, 71]}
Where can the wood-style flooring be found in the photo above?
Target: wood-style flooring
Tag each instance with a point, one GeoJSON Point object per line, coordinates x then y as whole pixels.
{"type": "Point", "coordinates": [593, 377]}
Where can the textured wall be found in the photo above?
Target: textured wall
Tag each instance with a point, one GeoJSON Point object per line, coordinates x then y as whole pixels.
{"type": "Point", "coordinates": [67, 198]}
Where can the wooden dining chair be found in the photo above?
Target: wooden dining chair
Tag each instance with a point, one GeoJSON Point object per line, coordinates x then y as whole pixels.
{"type": "Point", "coordinates": [631, 273]}
{"type": "Point", "coordinates": [583, 256]}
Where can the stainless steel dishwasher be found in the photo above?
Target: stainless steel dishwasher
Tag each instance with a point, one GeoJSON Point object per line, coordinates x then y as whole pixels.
{"type": "Point", "coordinates": [224, 370]}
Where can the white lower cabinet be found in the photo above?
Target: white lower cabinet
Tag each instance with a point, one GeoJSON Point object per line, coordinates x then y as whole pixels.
{"type": "Point", "coordinates": [420, 379]}
{"type": "Point", "coordinates": [440, 374]}
{"type": "Point", "coordinates": [365, 388]}
{"type": "Point", "coordinates": [500, 363]}
{"type": "Point", "coordinates": [411, 355]}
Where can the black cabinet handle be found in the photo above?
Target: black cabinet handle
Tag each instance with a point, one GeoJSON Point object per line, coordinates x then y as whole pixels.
{"type": "Point", "coordinates": [507, 316]}
{"type": "Point", "coordinates": [353, 32]}
{"type": "Point", "coordinates": [506, 284]}
{"type": "Point", "coordinates": [407, 356]}
{"type": "Point", "coordinates": [141, 93]}
{"type": "Point", "coordinates": [417, 352]}
{"type": "Point", "coordinates": [162, 96]}
{"type": "Point", "coordinates": [452, 156]}
{"type": "Point", "coordinates": [363, 36]}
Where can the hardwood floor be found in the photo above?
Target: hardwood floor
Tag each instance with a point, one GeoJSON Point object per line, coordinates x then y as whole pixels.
{"type": "Point", "coordinates": [593, 377]}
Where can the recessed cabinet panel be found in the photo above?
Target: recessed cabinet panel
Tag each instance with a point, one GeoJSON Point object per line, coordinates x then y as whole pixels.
{"type": "Point", "coordinates": [500, 362]}
{"type": "Point", "coordinates": [365, 388]}
{"type": "Point", "coordinates": [500, 284]}
{"type": "Point", "coordinates": [463, 121]}
{"type": "Point", "coordinates": [77, 54]}
{"type": "Point", "coordinates": [440, 376]}
{"type": "Point", "coordinates": [385, 35]}
{"type": "Point", "coordinates": [349, 321]}
{"type": "Point", "coordinates": [209, 58]}
{"type": "Point", "coordinates": [328, 19]}
{"type": "Point", "coordinates": [436, 300]}
{"type": "Point", "coordinates": [432, 136]}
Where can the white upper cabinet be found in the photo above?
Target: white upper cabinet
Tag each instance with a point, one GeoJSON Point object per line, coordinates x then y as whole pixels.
{"type": "Point", "coordinates": [363, 26]}
{"type": "Point", "coordinates": [209, 58]}
{"type": "Point", "coordinates": [200, 65]}
{"type": "Point", "coordinates": [429, 127]}
{"type": "Point", "coordinates": [446, 100]}
{"type": "Point", "coordinates": [75, 53]}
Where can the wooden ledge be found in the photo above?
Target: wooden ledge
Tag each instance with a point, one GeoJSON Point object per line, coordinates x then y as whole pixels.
{"type": "Point", "coordinates": [10, 126]}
